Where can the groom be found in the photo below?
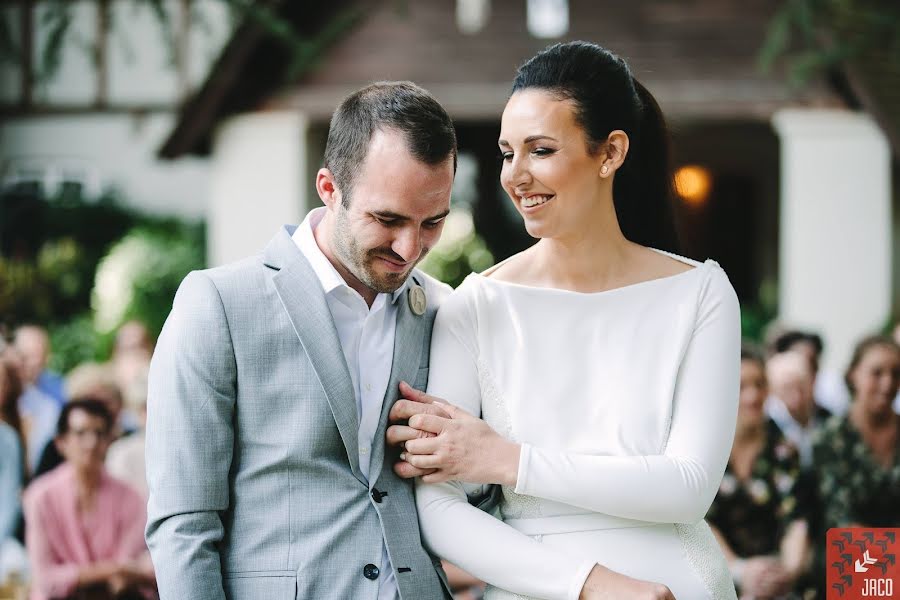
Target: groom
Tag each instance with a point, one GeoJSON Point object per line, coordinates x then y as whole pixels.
{"type": "Point", "coordinates": [273, 378]}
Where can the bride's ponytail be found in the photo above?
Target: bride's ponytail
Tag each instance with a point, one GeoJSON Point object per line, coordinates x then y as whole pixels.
{"type": "Point", "coordinates": [643, 190]}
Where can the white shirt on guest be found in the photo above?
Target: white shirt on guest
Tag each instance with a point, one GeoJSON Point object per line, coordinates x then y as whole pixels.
{"type": "Point", "coordinates": [367, 340]}
{"type": "Point", "coordinates": [799, 435]}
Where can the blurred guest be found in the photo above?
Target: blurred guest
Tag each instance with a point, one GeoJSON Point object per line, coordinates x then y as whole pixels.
{"type": "Point", "coordinates": [33, 345]}
{"type": "Point", "coordinates": [38, 411]}
{"type": "Point", "coordinates": [895, 335]}
{"type": "Point", "coordinates": [829, 390]}
{"type": "Point", "coordinates": [87, 380]}
{"type": "Point", "coordinates": [12, 467]}
{"type": "Point", "coordinates": [858, 456]}
{"type": "Point", "coordinates": [97, 381]}
{"type": "Point", "coordinates": [125, 459]}
{"type": "Point", "coordinates": [131, 353]}
{"type": "Point", "coordinates": [754, 513]}
{"type": "Point", "coordinates": [85, 529]}
{"type": "Point", "coordinates": [791, 404]}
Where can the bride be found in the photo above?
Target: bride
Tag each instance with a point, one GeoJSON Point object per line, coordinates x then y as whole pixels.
{"type": "Point", "coordinates": [604, 366]}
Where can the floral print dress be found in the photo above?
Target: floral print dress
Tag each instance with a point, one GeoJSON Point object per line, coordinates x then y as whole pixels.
{"type": "Point", "coordinates": [853, 486]}
{"type": "Point", "coordinates": [752, 515]}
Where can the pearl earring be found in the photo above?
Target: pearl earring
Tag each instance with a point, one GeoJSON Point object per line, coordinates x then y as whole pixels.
{"type": "Point", "coordinates": [604, 170]}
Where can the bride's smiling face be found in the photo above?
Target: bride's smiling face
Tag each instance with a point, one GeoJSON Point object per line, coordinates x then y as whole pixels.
{"type": "Point", "coordinates": [548, 172]}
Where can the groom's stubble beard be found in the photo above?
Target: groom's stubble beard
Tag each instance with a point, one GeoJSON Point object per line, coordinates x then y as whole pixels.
{"type": "Point", "coordinates": [360, 261]}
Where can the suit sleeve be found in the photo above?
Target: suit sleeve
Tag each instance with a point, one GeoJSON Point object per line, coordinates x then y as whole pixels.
{"type": "Point", "coordinates": [691, 466]}
{"type": "Point", "coordinates": [461, 533]}
{"type": "Point", "coordinates": [190, 436]}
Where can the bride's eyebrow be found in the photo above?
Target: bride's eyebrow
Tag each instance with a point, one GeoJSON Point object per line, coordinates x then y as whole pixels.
{"type": "Point", "coordinates": [529, 139]}
{"type": "Point", "coordinates": [534, 138]}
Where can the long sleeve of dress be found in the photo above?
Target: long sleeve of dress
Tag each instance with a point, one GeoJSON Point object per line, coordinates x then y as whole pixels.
{"type": "Point", "coordinates": [452, 528]}
{"type": "Point", "coordinates": [679, 484]}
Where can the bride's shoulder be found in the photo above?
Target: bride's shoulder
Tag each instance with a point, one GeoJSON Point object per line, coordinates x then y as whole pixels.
{"type": "Point", "coordinates": [511, 270]}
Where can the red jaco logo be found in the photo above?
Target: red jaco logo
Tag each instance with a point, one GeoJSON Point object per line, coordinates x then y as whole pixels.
{"type": "Point", "coordinates": [862, 563]}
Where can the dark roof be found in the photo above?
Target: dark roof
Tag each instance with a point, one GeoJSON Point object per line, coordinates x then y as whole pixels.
{"type": "Point", "coordinates": [872, 72]}
{"type": "Point", "coordinates": [251, 65]}
{"type": "Point", "coordinates": [699, 57]}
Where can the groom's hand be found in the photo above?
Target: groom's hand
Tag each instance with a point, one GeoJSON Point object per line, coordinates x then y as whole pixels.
{"type": "Point", "coordinates": [453, 445]}
{"type": "Point", "coordinates": [413, 402]}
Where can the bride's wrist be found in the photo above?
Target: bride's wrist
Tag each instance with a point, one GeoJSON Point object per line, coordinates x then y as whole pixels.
{"type": "Point", "coordinates": [507, 461]}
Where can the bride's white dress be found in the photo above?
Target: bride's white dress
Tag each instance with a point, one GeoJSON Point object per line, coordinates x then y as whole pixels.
{"type": "Point", "coordinates": [624, 403]}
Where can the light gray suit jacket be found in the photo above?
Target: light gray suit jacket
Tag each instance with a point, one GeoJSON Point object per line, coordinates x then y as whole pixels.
{"type": "Point", "coordinates": [252, 458]}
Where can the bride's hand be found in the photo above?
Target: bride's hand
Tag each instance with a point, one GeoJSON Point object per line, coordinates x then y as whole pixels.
{"type": "Point", "coordinates": [461, 447]}
{"type": "Point", "coordinates": [400, 432]}
{"type": "Point", "coordinates": [603, 584]}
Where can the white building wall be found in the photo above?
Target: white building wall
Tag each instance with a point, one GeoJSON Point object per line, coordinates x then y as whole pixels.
{"type": "Point", "coordinates": [117, 149]}
{"type": "Point", "coordinates": [107, 151]}
{"type": "Point", "coordinates": [258, 182]}
{"type": "Point", "coordinates": [835, 227]}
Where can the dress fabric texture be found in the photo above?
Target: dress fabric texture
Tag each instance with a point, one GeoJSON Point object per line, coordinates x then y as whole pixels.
{"type": "Point", "coordinates": [624, 403]}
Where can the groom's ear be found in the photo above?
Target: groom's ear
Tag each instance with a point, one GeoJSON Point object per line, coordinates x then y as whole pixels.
{"type": "Point", "coordinates": [327, 188]}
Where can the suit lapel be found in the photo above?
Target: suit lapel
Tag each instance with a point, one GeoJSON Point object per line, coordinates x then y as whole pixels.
{"type": "Point", "coordinates": [405, 366]}
{"type": "Point", "coordinates": [301, 294]}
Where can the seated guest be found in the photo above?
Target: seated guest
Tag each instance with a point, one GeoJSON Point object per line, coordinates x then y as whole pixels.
{"type": "Point", "coordinates": [12, 467]}
{"type": "Point", "coordinates": [38, 411]}
{"type": "Point", "coordinates": [857, 457]}
{"type": "Point", "coordinates": [84, 528]}
{"type": "Point", "coordinates": [131, 352]}
{"type": "Point", "coordinates": [829, 389]}
{"type": "Point", "coordinates": [87, 380]}
{"type": "Point", "coordinates": [33, 344]}
{"type": "Point", "coordinates": [12, 462]}
{"type": "Point", "coordinates": [792, 405]}
{"type": "Point", "coordinates": [125, 459]}
{"type": "Point", "coordinates": [753, 515]}
{"type": "Point", "coordinates": [98, 381]}
{"type": "Point", "coordinates": [895, 335]}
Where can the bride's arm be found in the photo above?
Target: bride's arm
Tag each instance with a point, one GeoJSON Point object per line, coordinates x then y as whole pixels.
{"type": "Point", "coordinates": [452, 528]}
{"type": "Point", "coordinates": [676, 486]}
{"type": "Point", "coordinates": [492, 550]}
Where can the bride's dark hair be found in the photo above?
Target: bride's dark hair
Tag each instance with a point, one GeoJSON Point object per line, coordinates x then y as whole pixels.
{"type": "Point", "coordinates": [608, 97]}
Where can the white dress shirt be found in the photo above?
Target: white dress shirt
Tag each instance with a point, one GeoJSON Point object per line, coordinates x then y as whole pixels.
{"type": "Point", "coordinates": [799, 435]}
{"type": "Point", "coordinates": [367, 340]}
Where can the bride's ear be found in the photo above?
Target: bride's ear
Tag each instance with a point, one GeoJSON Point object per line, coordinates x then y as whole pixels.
{"type": "Point", "coordinates": [613, 153]}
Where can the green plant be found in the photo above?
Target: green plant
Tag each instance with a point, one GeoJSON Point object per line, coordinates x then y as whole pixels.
{"type": "Point", "coordinates": [756, 316]}
{"type": "Point", "coordinates": [50, 248]}
{"type": "Point", "coordinates": [812, 36]}
{"type": "Point", "coordinates": [139, 276]}
{"type": "Point", "coordinates": [74, 342]}
{"type": "Point", "coordinates": [461, 251]}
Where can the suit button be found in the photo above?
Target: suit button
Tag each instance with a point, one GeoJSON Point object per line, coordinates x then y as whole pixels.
{"type": "Point", "coordinates": [370, 571]}
{"type": "Point", "coordinates": [378, 496]}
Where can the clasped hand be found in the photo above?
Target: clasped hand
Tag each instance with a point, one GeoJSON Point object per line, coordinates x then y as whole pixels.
{"type": "Point", "coordinates": [442, 442]}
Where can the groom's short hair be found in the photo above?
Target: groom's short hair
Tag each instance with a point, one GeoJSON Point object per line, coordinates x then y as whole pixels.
{"type": "Point", "coordinates": [399, 105]}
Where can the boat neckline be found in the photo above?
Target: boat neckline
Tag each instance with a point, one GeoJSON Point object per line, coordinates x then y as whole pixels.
{"type": "Point", "coordinates": [695, 266]}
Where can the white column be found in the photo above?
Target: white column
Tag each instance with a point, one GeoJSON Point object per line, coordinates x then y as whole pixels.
{"type": "Point", "coordinates": [258, 171]}
{"type": "Point", "coordinates": [835, 247]}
